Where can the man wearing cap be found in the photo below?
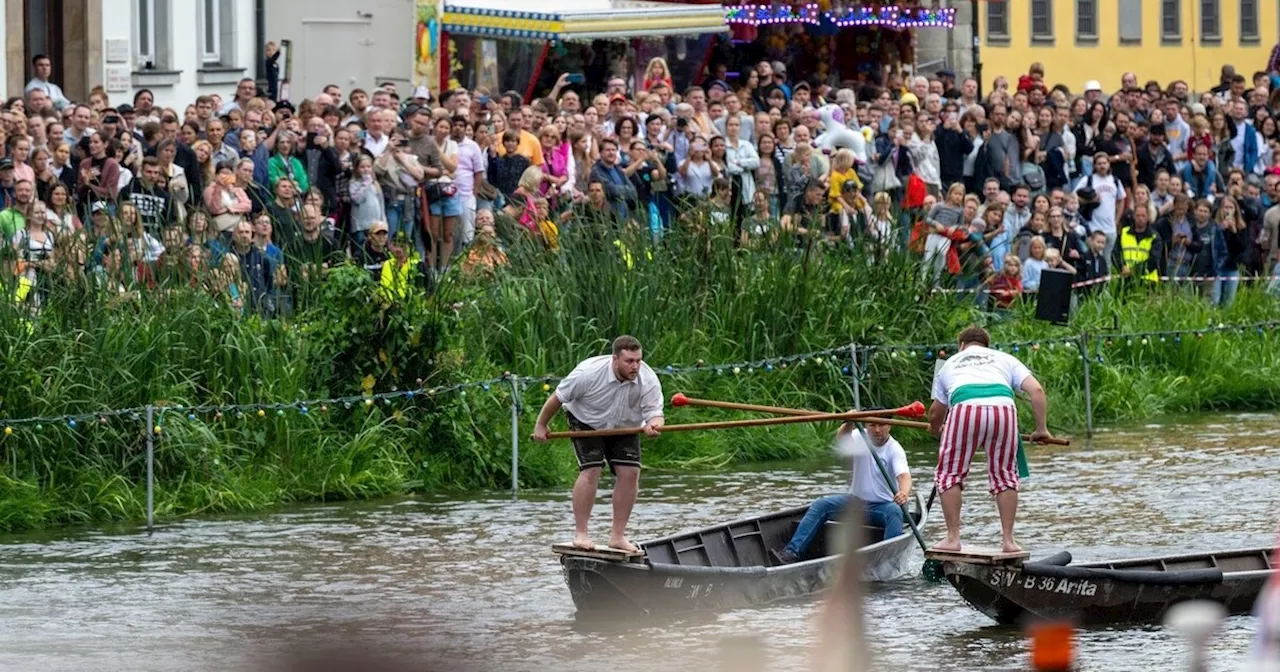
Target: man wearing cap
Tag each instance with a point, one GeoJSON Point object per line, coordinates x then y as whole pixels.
{"type": "Point", "coordinates": [780, 77]}
{"type": "Point", "coordinates": [7, 182]}
{"type": "Point", "coordinates": [1092, 91]}
{"type": "Point", "coordinates": [421, 96]}
{"type": "Point", "coordinates": [717, 89]}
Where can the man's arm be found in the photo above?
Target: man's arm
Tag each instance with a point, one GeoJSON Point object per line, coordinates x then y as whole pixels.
{"type": "Point", "coordinates": [1039, 407]}
{"type": "Point", "coordinates": [549, 410]}
{"type": "Point", "coordinates": [904, 488]}
{"type": "Point", "coordinates": [938, 415]}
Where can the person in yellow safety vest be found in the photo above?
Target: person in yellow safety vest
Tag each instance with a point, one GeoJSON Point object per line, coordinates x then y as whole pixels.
{"type": "Point", "coordinates": [397, 271]}
{"type": "Point", "coordinates": [1140, 252]}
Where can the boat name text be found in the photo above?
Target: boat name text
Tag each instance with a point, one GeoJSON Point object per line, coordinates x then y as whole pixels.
{"type": "Point", "coordinates": [1045, 584]}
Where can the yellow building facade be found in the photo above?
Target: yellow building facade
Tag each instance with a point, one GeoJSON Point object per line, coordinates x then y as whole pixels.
{"type": "Point", "coordinates": [1164, 40]}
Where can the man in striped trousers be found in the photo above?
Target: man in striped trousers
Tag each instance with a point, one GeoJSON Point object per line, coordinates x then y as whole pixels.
{"type": "Point", "coordinates": [973, 406]}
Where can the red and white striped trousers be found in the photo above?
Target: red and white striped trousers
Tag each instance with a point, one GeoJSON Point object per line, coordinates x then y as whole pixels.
{"type": "Point", "coordinates": [968, 426]}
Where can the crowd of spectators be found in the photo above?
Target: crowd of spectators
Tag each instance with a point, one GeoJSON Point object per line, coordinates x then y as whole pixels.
{"type": "Point", "coordinates": [257, 199]}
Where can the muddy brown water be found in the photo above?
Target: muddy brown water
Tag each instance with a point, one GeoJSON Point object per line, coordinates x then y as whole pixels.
{"type": "Point", "coordinates": [448, 584]}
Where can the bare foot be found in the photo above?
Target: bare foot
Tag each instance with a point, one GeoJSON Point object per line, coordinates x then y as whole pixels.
{"type": "Point", "coordinates": [1010, 547]}
{"type": "Point", "coordinates": [584, 542]}
{"type": "Point", "coordinates": [947, 545]}
{"type": "Point", "coordinates": [621, 544]}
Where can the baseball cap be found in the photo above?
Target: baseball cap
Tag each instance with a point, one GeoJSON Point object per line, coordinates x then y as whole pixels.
{"type": "Point", "coordinates": [946, 73]}
{"type": "Point", "coordinates": [6, 164]}
{"type": "Point", "coordinates": [718, 82]}
{"type": "Point", "coordinates": [378, 226]}
{"type": "Point", "coordinates": [801, 85]}
{"type": "Point", "coordinates": [1092, 85]}
{"type": "Point", "coordinates": [910, 99]}
{"type": "Point", "coordinates": [1197, 108]}
{"type": "Point", "coordinates": [125, 109]}
{"type": "Point", "coordinates": [422, 92]}
{"type": "Point", "coordinates": [99, 206]}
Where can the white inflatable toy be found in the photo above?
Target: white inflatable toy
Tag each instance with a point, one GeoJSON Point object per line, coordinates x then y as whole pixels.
{"type": "Point", "coordinates": [836, 135]}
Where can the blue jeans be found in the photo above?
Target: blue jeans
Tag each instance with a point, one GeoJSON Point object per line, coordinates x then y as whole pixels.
{"type": "Point", "coordinates": [879, 514]}
{"type": "Point", "coordinates": [1224, 288]}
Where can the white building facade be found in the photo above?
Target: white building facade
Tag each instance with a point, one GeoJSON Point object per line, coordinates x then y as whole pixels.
{"type": "Point", "coordinates": [179, 49]}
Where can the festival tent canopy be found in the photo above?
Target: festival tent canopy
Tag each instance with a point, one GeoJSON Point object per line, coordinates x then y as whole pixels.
{"type": "Point", "coordinates": [581, 20]}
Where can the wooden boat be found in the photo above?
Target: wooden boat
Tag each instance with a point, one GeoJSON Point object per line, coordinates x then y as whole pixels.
{"type": "Point", "coordinates": [1121, 591]}
{"type": "Point", "coordinates": [729, 566]}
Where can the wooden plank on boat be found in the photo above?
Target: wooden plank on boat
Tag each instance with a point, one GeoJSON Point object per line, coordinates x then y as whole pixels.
{"type": "Point", "coordinates": [599, 553]}
{"type": "Point", "coordinates": [979, 555]}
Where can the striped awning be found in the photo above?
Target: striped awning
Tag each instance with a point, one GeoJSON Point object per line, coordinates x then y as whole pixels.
{"type": "Point", "coordinates": [580, 20]}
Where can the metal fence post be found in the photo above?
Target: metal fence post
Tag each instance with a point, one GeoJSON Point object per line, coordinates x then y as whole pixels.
{"type": "Point", "coordinates": [151, 468]}
{"type": "Point", "coordinates": [853, 372]}
{"type": "Point", "coordinates": [1088, 396]}
{"type": "Point", "coordinates": [515, 438]}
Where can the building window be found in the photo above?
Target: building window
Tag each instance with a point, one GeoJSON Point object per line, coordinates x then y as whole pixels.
{"type": "Point", "coordinates": [217, 34]}
{"type": "Point", "coordinates": [210, 38]}
{"type": "Point", "coordinates": [1087, 21]}
{"type": "Point", "coordinates": [151, 34]}
{"type": "Point", "coordinates": [998, 22]}
{"type": "Point", "coordinates": [1249, 31]}
{"type": "Point", "coordinates": [1171, 21]}
{"type": "Point", "coordinates": [1042, 21]}
{"type": "Point", "coordinates": [1210, 21]}
{"type": "Point", "coordinates": [1130, 21]}
{"type": "Point", "coordinates": [146, 41]}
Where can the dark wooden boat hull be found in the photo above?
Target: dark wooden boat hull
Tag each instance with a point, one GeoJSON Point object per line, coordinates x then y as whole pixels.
{"type": "Point", "coordinates": [698, 582]}
{"type": "Point", "coordinates": [1120, 592]}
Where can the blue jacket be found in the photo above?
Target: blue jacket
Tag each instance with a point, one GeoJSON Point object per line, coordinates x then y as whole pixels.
{"type": "Point", "coordinates": [1220, 257]}
{"type": "Point", "coordinates": [1201, 183]}
{"type": "Point", "coordinates": [618, 190]}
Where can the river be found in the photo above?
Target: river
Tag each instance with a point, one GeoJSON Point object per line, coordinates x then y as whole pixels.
{"type": "Point", "coordinates": [472, 585]}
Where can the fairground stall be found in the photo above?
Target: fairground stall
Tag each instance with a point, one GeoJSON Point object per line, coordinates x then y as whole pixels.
{"type": "Point", "coordinates": [499, 45]}
{"type": "Point", "coordinates": [828, 41]}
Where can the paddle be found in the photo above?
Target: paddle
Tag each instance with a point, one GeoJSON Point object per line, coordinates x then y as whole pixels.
{"type": "Point", "coordinates": [932, 569]}
{"type": "Point", "coordinates": [679, 399]}
{"type": "Point", "coordinates": [914, 410]}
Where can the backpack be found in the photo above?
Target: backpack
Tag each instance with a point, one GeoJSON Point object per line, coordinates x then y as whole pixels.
{"type": "Point", "coordinates": [1033, 177]}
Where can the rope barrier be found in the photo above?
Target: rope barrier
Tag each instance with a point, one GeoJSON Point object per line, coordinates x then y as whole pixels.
{"type": "Point", "coordinates": [840, 355]}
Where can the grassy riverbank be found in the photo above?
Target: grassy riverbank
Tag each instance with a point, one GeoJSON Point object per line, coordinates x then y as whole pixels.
{"type": "Point", "coordinates": [695, 298]}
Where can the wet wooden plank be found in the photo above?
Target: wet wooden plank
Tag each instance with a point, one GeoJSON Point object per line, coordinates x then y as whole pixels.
{"type": "Point", "coordinates": [979, 555]}
{"type": "Point", "coordinates": [599, 553]}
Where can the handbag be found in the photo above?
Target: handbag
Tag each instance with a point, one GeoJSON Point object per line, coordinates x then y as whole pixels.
{"type": "Point", "coordinates": [439, 191]}
{"type": "Point", "coordinates": [885, 177]}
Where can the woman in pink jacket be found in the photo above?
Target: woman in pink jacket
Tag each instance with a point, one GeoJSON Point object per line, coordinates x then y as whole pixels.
{"type": "Point", "coordinates": [225, 202]}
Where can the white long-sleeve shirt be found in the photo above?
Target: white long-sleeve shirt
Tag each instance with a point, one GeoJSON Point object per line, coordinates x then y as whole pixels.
{"type": "Point", "coordinates": [742, 161]}
{"type": "Point", "coordinates": [595, 396]}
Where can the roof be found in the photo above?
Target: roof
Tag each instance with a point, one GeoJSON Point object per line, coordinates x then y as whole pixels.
{"type": "Point", "coordinates": [580, 20]}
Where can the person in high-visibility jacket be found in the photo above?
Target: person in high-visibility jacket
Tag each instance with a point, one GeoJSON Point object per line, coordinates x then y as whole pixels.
{"type": "Point", "coordinates": [1139, 252]}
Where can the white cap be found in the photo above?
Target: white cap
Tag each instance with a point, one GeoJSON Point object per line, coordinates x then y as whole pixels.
{"type": "Point", "coordinates": [1092, 85]}
{"type": "Point", "coordinates": [422, 92]}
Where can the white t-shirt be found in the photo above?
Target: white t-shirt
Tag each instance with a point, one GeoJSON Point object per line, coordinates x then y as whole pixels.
{"type": "Point", "coordinates": [594, 395]}
{"type": "Point", "coordinates": [1110, 191]}
{"type": "Point", "coordinates": [868, 483]}
{"type": "Point", "coordinates": [976, 365]}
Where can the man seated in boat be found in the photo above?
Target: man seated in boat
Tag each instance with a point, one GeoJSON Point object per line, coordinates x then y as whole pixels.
{"type": "Point", "coordinates": [882, 506]}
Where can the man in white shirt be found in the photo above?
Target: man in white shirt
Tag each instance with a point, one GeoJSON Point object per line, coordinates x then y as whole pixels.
{"type": "Point", "coordinates": [882, 506]}
{"type": "Point", "coordinates": [1110, 192]}
{"type": "Point", "coordinates": [607, 392]}
{"type": "Point", "coordinates": [973, 405]}
{"type": "Point", "coordinates": [377, 126]}
{"type": "Point", "coordinates": [43, 70]}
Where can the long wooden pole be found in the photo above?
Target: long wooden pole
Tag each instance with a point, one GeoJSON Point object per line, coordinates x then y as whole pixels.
{"type": "Point", "coordinates": [681, 400]}
{"type": "Point", "coordinates": [915, 409]}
